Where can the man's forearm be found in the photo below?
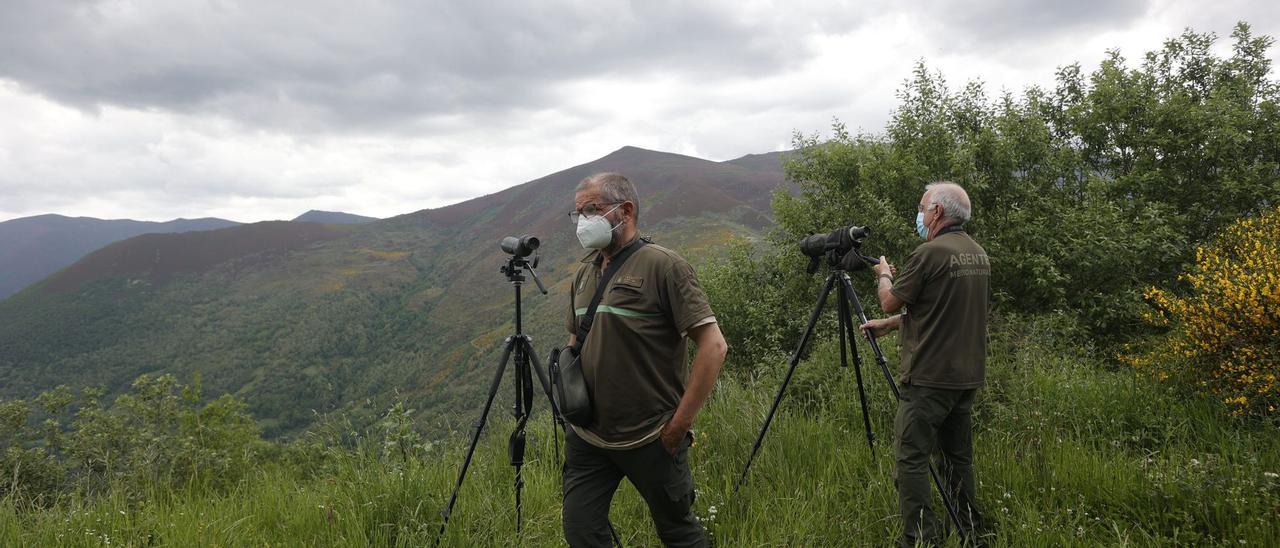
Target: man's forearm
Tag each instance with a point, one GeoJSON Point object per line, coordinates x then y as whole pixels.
{"type": "Point", "coordinates": [895, 321]}
{"type": "Point", "coordinates": [706, 369]}
{"type": "Point", "coordinates": [888, 301]}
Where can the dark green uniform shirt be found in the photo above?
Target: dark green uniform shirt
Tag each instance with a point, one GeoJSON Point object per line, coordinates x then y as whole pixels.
{"type": "Point", "coordinates": [634, 358]}
{"type": "Point", "coordinates": [946, 286]}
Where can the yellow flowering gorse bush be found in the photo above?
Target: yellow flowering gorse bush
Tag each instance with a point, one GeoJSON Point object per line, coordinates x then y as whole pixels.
{"type": "Point", "coordinates": [1225, 334]}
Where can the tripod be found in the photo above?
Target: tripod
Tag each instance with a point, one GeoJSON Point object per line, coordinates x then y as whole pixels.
{"type": "Point", "coordinates": [846, 296]}
{"type": "Point", "coordinates": [521, 346]}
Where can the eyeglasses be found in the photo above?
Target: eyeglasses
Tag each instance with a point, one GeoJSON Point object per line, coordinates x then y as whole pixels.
{"type": "Point", "coordinates": [589, 210]}
{"type": "Point", "coordinates": [921, 207]}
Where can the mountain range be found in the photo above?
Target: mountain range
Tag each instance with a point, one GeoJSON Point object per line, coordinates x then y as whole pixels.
{"type": "Point", "coordinates": [37, 246]}
{"type": "Point", "coordinates": [301, 319]}
{"type": "Point", "coordinates": [34, 247]}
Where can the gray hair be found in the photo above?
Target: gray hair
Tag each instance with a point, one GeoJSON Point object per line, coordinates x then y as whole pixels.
{"type": "Point", "coordinates": [614, 187]}
{"type": "Point", "coordinates": [953, 199]}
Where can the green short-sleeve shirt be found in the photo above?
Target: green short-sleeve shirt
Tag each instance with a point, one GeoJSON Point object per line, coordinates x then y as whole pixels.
{"type": "Point", "coordinates": [635, 358]}
{"type": "Point", "coordinates": [946, 286]}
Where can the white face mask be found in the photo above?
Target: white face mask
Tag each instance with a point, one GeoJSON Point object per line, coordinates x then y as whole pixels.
{"type": "Point", "coordinates": [594, 232]}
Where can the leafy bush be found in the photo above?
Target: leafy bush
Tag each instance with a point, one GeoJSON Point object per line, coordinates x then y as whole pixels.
{"type": "Point", "coordinates": [753, 290]}
{"type": "Point", "coordinates": [1069, 453]}
{"type": "Point", "coordinates": [1082, 194]}
{"type": "Point", "coordinates": [157, 436]}
{"type": "Point", "coordinates": [1225, 331]}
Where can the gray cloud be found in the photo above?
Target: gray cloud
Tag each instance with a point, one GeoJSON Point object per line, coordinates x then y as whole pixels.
{"type": "Point", "coordinates": [316, 65]}
{"type": "Point", "coordinates": [254, 110]}
{"type": "Point", "coordinates": [996, 24]}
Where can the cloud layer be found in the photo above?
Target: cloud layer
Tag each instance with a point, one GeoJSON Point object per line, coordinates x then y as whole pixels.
{"type": "Point", "coordinates": [255, 110]}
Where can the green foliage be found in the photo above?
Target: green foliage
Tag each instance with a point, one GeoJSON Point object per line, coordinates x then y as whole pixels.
{"type": "Point", "coordinates": [751, 290]}
{"type": "Point", "coordinates": [158, 436]}
{"type": "Point", "coordinates": [1082, 195]}
{"type": "Point", "coordinates": [1069, 453]}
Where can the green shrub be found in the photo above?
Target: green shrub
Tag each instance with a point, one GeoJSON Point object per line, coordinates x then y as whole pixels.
{"type": "Point", "coordinates": [156, 437]}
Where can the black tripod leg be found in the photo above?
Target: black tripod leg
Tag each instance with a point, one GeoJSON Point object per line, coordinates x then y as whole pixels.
{"type": "Point", "coordinates": [475, 435]}
{"type": "Point", "coordinates": [842, 312]}
{"type": "Point", "coordinates": [523, 407]}
{"type": "Point", "coordinates": [556, 419]}
{"type": "Point", "coordinates": [933, 470]}
{"type": "Point", "coordinates": [871, 339]}
{"type": "Point", "coordinates": [795, 359]}
{"type": "Point", "coordinates": [846, 329]}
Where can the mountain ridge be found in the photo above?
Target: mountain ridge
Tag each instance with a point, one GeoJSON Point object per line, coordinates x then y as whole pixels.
{"type": "Point", "coordinates": [332, 217]}
{"type": "Point", "coordinates": [34, 247]}
{"type": "Point", "coordinates": [37, 246]}
{"type": "Point", "coordinates": [299, 322]}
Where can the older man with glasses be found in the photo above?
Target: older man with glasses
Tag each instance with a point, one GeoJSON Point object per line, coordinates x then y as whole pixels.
{"type": "Point", "coordinates": [644, 395]}
{"type": "Point", "coordinates": [945, 287]}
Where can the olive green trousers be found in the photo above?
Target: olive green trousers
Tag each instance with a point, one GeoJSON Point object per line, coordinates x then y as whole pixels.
{"type": "Point", "coordinates": [929, 421]}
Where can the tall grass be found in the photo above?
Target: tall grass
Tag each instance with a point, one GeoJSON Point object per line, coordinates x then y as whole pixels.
{"type": "Point", "coordinates": [1069, 453]}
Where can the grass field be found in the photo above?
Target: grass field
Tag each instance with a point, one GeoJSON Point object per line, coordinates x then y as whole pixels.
{"type": "Point", "coordinates": [1069, 453]}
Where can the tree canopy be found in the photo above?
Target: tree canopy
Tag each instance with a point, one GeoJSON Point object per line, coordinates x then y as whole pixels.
{"type": "Point", "coordinates": [1083, 194]}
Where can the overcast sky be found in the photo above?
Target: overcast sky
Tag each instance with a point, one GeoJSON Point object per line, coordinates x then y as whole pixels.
{"type": "Point", "coordinates": [263, 109]}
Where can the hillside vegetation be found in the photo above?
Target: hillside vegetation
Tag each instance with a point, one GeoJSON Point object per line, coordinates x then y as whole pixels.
{"type": "Point", "coordinates": [1069, 454]}
{"type": "Point", "coordinates": [1086, 196]}
{"type": "Point", "coordinates": [302, 319]}
{"type": "Point", "coordinates": [34, 247]}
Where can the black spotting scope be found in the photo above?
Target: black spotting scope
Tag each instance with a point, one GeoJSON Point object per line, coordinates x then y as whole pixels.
{"type": "Point", "coordinates": [521, 246]}
{"type": "Point", "coordinates": [841, 247]}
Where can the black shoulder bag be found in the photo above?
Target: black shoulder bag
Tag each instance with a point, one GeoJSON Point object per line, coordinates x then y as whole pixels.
{"type": "Point", "coordinates": [570, 384]}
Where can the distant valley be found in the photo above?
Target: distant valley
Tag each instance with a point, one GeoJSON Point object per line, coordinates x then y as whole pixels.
{"type": "Point", "coordinates": [301, 319]}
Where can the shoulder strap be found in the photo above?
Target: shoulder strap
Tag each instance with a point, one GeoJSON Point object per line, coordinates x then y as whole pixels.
{"type": "Point", "coordinates": [615, 263]}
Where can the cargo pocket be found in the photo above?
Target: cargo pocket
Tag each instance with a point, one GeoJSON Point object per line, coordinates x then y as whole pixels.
{"type": "Point", "coordinates": [679, 485]}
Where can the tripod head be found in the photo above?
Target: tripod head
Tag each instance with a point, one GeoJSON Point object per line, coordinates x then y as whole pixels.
{"type": "Point", "coordinates": [852, 261]}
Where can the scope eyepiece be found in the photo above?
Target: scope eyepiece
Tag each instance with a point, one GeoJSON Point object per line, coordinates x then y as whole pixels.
{"type": "Point", "coordinates": [857, 233]}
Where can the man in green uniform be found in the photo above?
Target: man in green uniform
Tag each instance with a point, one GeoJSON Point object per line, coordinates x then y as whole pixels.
{"type": "Point", "coordinates": [644, 395]}
{"type": "Point", "coordinates": [945, 289]}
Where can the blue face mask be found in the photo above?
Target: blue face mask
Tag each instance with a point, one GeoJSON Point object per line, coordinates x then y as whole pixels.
{"type": "Point", "coordinates": [920, 228]}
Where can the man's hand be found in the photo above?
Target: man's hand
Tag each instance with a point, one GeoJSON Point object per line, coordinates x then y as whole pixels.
{"type": "Point", "coordinates": [672, 435]}
{"type": "Point", "coordinates": [882, 327]}
{"type": "Point", "coordinates": [885, 268]}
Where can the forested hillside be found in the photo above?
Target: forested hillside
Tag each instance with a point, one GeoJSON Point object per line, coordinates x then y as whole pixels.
{"type": "Point", "coordinates": [301, 319]}
{"type": "Point", "coordinates": [1132, 217]}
